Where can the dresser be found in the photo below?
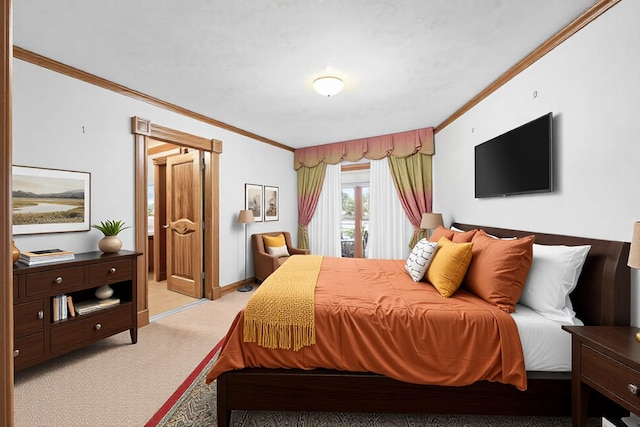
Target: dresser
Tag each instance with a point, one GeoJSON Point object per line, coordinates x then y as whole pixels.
{"type": "Point", "coordinates": [39, 331]}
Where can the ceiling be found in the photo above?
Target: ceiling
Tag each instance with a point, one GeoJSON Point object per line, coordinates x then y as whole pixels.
{"type": "Point", "coordinates": [406, 64]}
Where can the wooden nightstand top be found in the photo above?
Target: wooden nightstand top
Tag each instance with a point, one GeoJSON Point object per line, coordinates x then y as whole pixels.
{"type": "Point", "coordinates": [617, 342]}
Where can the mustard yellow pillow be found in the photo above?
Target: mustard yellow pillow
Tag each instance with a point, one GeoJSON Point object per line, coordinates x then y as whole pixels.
{"type": "Point", "coordinates": [449, 266]}
{"type": "Point", "coordinates": [276, 245]}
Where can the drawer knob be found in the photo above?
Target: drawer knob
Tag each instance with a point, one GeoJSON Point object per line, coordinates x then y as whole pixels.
{"type": "Point", "coordinates": [112, 270]}
{"type": "Point", "coordinates": [97, 327]}
{"type": "Point", "coordinates": [633, 388]}
{"type": "Point", "coordinates": [16, 353]}
{"type": "Point", "coordinates": [58, 280]}
{"type": "Point", "coordinates": [41, 314]}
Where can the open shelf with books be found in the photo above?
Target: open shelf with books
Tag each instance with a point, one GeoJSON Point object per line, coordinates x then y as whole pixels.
{"type": "Point", "coordinates": [65, 307]}
{"type": "Point", "coordinates": [62, 306]}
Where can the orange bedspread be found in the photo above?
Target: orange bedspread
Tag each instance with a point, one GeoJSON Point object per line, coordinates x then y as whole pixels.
{"type": "Point", "coordinates": [371, 317]}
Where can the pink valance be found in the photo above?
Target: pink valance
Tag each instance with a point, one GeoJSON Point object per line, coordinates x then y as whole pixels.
{"type": "Point", "coordinates": [401, 144]}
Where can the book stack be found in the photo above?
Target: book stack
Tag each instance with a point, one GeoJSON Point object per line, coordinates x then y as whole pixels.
{"type": "Point", "coordinates": [89, 306]}
{"type": "Point", "coordinates": [45, 256]}
{"type": "Point", "coordinates": [62, 307]}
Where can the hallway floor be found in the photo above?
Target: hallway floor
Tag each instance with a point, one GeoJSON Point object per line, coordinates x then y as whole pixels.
{"type": "Point", "coordinates": [162, 300]}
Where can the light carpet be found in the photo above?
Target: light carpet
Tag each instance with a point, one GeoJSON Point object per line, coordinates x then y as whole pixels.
{"type": "Point", "coordinates": [114, 383]}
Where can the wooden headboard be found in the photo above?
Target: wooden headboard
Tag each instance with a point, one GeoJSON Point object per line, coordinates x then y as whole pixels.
{"type": "Point", "coordinates": [603, 293]}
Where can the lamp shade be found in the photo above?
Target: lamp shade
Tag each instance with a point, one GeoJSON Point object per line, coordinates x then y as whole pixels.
{"type": "Point", "coordinates": [245, 217]}
{"type": "Point", "coordinates": [431, 220]}
{"type": "Point", "coordinates": [634, 253]}
{"type": "Point", "coordinates": [328, 85]}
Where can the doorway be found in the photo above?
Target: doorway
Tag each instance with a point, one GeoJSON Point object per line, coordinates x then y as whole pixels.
{"type": "Point", "coordinates": [169, 294]}
{"type": "Point", "coordinates": [208, 246]}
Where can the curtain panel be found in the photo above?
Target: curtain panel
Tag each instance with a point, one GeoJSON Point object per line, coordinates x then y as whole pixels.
{"type": "Point", "coordinates": [310, 182]}
{"type": "Point", "coordinates": [327, 216]}
{"type": "Point", "coordinates": [401, 145]}
{"type": "Point", "coordinates": [412, 178]}
{"type": "Point", "coordinates": [389, 226]}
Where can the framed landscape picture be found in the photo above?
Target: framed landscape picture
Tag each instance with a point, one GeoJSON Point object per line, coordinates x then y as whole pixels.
{"type": "Point", "coordinates": [270, 203]}
{"type": "Point", "coordinates": [49, 200]}
{"type": "Point", "coordinates": [253, 200]}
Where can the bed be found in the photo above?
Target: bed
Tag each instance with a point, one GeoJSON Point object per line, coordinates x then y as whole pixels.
{"type": "Point", "coordinates": [601, 298]}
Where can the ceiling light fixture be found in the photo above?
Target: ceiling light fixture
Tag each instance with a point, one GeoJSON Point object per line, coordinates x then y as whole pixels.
{"type": "Point", "coordinates": [328, 85]}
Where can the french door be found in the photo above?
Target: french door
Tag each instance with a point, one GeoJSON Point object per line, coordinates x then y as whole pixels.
{"type": "Point", "coordinates": [354, 226]}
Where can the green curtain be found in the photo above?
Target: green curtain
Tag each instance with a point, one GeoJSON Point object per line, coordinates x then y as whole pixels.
{"type": "Point", "coordinates": [309, 187]}
{"type": "Point", "coordinates": [412, 179]}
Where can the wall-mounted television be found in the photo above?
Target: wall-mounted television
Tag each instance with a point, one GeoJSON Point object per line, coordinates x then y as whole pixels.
{"type": "Point", "coordinates": [519, 161]}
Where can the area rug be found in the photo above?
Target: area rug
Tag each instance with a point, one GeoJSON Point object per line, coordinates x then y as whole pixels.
{"type": "Point", "coordinates": [194, 404]}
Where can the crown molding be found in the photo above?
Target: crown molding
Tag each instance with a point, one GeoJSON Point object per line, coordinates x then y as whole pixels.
{"type": "Point", "coordinates": [58, 67]}
{"type": "Point", "coordinates": [576, 25]}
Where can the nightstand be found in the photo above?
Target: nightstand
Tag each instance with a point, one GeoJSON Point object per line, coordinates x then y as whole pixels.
{"type": "Point", "coordinates": [606, 359]}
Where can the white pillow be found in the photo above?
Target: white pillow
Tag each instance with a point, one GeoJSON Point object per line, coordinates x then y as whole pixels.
{"type": "Point", "coordinates": [278, 251]}
{"type": "Point", "coordinates": [420, 258]}
{"type": "Point", "coordinates": [553, 276]}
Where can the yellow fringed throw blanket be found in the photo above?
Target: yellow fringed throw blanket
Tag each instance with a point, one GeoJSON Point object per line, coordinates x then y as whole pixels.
{"type": "Point", "coordinates": [280, 313]}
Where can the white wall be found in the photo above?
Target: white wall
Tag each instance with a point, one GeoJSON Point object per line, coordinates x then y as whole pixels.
{"type": "Point", "coordinates": [50, 112]}
{"type": "Point", "coordinates": [591, 85]}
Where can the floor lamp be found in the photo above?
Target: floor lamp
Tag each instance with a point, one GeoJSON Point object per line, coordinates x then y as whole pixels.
{"type": "Point", "coordinates": [245, 217]}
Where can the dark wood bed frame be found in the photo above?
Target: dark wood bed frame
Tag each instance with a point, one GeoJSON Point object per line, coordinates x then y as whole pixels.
{"type": "Point", "coordinates": [602, 297]}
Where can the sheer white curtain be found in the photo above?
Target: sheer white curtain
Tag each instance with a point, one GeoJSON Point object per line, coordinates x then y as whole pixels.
{"type": "Point", "coordinates": [389, 228]}
{"type": "Point", "coordinates": [324, 227]}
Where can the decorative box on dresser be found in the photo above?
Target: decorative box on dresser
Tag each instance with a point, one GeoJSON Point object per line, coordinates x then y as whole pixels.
{"type": "Point", "coordinates": [38, 337]}
{"type": "Point", "coordinates": [605, 359]}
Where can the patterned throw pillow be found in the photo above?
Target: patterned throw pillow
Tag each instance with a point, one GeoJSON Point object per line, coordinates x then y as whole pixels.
{"type": "Point", "coordinates": [420, 258]}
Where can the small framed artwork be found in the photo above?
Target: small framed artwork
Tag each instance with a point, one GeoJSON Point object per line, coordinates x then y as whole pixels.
{"type": "Point", "coordinates": [49, 200]}
{"type": "Point", "coordinates": [270, 203]}
{"type": "Point", "coordinates": [253, 200]}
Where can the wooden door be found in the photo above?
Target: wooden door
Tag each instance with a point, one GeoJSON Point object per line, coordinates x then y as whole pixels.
{"type": "Point", "coordinates": [184, 224]}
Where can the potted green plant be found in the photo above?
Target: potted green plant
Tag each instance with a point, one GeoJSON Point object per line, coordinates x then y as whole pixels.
{"type": "Point", "coordinates": [110, 243]}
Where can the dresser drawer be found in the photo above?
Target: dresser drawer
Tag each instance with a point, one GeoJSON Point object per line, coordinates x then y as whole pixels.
{"type": "Point", "coordinates": [28, 348]}
{"type": "Point", "coordinates": [80, 330]}
{"type": "Point", "coordinates": [28, 318]}
{"type": "Point", "coordinates": [110, 272]}
{"type": "Point", "coordinates": [611, 375]}
{"type": "Point", "coordinates": [49, 281]}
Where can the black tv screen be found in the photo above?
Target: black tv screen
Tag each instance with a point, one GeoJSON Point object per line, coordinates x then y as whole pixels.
{"type": "Point", "coordinates": [516, 162]}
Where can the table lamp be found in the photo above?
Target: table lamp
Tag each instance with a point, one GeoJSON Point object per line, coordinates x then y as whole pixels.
{"type": "Point", "coordinates": [431, 221]}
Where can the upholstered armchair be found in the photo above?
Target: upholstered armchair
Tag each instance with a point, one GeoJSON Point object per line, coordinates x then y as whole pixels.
{"type": "Point", "coordinates": [263, 262]}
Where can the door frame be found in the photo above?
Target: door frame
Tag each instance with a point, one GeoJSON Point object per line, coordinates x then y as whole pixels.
{"type": "Point", "coordinates": [6, 266]}
{"type": "Point", "coordinates": [142, 129]}
{"type": "Point", "coordinates": [160, 214]}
